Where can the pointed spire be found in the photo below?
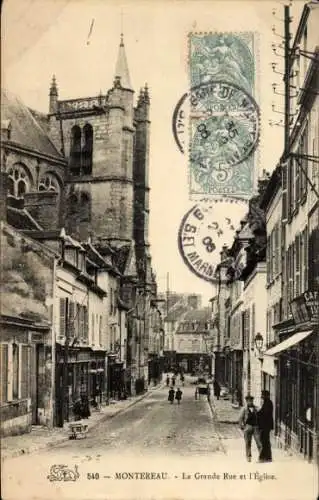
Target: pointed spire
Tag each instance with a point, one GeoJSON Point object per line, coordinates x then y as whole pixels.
{"type": "Point", "coordinates": [54, 87]}
{"type": "Point", "coordinates": [146, 94]}
{"type": "Point", "coordinates": [121, 70]}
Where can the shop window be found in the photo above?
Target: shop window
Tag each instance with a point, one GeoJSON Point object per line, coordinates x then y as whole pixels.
{"type": "Point", "coordinates": [15, 371]}
{"type": "Point", "coordinates": [18, 181]}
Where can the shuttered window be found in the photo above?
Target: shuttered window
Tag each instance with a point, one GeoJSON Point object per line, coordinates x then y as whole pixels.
{"type": "Point", "coordinates": [100, 330]}
{"type": "Point", "coordinates": [253, 325]}
{"type": "Point", "coordinates": [4, 373]}
{"type": "Point", "coordinates": [86, 322]}
{"type": "Point", "coordinates": [71, 319]}
{"type": "Point", "coordinates": [15, 371]}
{"type": "Point", "coordinates": [303, 150]}
{"type": "Point", "coordinates": [305, 262]}
{"type": "Point", "coordinates": [297, 266]}
{"type": "Point", "coordinates": [62, 316]}
{"type": "Point", "coordinates": [284, 192]}
{"type": "Point", "coordinates": [298, 181]}
{"type": "Point", "coordinates": [25, 371]}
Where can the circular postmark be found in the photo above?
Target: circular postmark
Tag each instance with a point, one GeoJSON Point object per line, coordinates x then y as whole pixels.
{"type": "Point", "coordinates": [223, 122]}
{"type": "Point", "coordinates": [203, 232]}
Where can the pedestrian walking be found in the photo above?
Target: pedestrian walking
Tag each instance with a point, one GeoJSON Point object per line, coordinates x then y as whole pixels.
{"type": "Point", "coordinates": [182, 379]}
{"type": "Point", "coordinates": [178, 395]}
{"type": "Point", "coordinates": [171, 395]}
{"type": "Point", "coordinates": [266, 425]}
{"type": "Point", "coordinates": [216, 389]}
{"type": "Point", "coordinates": [248, 421]}
{"type": "Point", "coordinates": [173, 380]}
{"type": "Point", "coordinates": [167, 380]}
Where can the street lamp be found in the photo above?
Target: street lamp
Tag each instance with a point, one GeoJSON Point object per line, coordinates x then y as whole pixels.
{"type": "Point", "coordinates": [259, 342]}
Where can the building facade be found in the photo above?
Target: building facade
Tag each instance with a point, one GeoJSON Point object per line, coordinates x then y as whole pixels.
{"type": "Point", "coordinates": [296, 332]}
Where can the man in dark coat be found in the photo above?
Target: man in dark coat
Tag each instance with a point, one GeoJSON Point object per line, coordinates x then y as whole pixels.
{"type": "Point", "coordinates": [178, 395]}
{"type": "Point", "coordinates": [265, 424]}
{"type": "Point", "coordinates": [171, 395]}
{"type": "Point", "coordinates": [216, 389]}
{"type": "Point", "coordinates": [248, 421]}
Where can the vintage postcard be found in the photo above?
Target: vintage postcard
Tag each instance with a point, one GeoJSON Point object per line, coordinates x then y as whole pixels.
{"type": "Point", "coordinates": [160, 241]}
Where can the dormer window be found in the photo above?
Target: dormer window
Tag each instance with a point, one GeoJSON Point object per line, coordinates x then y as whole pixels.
{"type": "Point", "coordinates": [81, 261]}
{"type": "Point", "coordinates": [70, 255]}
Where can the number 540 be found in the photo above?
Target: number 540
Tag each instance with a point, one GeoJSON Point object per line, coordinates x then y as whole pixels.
{"type": "Point", "coordinates": [93, 475]}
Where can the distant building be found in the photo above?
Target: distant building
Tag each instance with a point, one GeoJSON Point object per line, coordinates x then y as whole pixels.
{"type": "Point", "coordinates": [192, 342]}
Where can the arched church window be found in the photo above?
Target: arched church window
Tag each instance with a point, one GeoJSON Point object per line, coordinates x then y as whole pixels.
{"type": "Point", "coordinates": [75, 151]}
{"type": "Point", "coordinates": [48, 183]}
{"type": "Point", "coordinates": [73, 203]}
{"type": "Point", "coordinates": [18, 181]}
{"type": "Point", "coordinates": [87, 150]}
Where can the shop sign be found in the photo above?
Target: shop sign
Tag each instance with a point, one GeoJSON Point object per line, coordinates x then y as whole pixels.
{"type": "Point", "coordinates": [305, 307]}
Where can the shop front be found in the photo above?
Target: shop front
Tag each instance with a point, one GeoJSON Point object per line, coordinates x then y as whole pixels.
{"type": "Point", "coordinates": [116, 380]}
{"type": "Point", "coordinates": [297, 379]}
{"type": "Point", "coordinates": [80, 373]}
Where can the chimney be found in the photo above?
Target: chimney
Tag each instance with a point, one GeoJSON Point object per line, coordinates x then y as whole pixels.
{"type": "Point", "coordinates": [224, 253]}
{"type": "Point", "coordinates": [3, 195]}
{"type": "Point", "coordinates": [44, 207]}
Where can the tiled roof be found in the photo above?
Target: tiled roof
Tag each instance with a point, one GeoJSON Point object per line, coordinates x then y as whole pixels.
{"type": "Point", "coordinates": [25, 128]}
{"type": "Point", "coordinates": [177, 313]}
{"type": "Point", "coordinates": [198, 315]}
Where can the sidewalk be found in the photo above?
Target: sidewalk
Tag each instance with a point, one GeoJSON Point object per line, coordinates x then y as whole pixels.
{"type": "Point", "coordinates": [286, 465]}
{"type": "Point", "coordinates": [42, 437]}
{"type": "Point", "coordinates": [224, 412]}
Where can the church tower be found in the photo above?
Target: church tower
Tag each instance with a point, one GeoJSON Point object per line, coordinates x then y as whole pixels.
{"type": "Point", "coordinates": [98, 135]}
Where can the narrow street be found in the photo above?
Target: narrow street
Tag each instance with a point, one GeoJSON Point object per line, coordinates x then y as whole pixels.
{"type": "Point", "coordinates": [182, 444]}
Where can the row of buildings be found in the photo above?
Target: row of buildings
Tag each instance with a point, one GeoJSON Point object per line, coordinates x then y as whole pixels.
{"type": "Point", "coordinates": [79, 310]}
{"type": "Point", "coordinates": [266, 312]}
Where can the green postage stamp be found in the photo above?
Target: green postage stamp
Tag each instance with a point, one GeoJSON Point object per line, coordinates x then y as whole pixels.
{"type": "Point", "coordinates": [224, 121]}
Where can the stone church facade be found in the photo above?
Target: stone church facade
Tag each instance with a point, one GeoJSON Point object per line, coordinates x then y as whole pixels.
{"type": "Point", "coordinates": [80, 174]}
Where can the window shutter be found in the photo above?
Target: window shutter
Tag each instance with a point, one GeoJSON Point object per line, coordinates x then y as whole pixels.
{"type": "Point", "coordinates": [253, 324]}
{"type": "Point", "coordinates": [298, 182]}
{"type": "Point", "coordinates": [25, 371]}
{"type": "Point", "coordinates": [284, 191]}
{"type": "Point", "coordinates": [4, 373]}
{"type": "Point", "coordinates": [306, 259]}
{"type": "Point", "coordinates": [62, 317]}
{"type": "Point", "coordinates": [81, 326]}
{"type": "Point", "coordinates": [71, 319]}
{"type": "Point", "coordinates": [297, 265]}
{"type": "Point", "coordinates": [86, 323]}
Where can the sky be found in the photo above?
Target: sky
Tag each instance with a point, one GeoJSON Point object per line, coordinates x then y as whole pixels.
{"type": "Point", "coordinates": [46, 37]}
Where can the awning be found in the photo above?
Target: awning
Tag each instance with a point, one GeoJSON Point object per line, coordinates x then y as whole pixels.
{"type": "Point", "coordinates": [268, 365]}
{"type": "Point", "coordinates": [286, 344]}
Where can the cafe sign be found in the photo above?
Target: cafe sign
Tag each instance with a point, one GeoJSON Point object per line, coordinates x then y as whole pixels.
{"type": "Point", "coordinates": [305, 307]}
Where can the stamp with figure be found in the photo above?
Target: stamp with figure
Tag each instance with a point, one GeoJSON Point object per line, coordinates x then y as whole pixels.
{"type": "Point", "coordinates": [204, 230]}
{"type": "Point", "coordinates": [229, 57]}
{"type": "Point", "coordinates": [220, 114]}
{"type": "Point", "coordinates": [224, 132]}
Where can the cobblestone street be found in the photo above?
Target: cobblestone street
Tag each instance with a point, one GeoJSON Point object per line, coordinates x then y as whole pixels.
{"type": "Point", "coordinates": [198, 456]}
